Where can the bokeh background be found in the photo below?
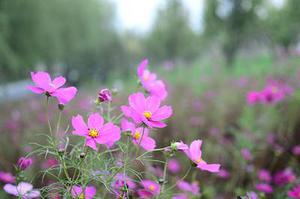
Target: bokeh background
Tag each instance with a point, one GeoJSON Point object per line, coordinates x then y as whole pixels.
{"type": "Point", "coordinates": [210, 53]}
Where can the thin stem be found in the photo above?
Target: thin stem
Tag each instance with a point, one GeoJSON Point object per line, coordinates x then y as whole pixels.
{"type": "Point", "coordinates": [185, 175]}
{"type": "Point", "coordinates": [48, 118]}
{"type": "Point", "coordinates": [125, 164]}
{"type": "Point", "coordinates": [164, 177]}
{"type": "Point", "coordinates": [154, 150]}
{"type": "Point", "coordinates": [58, 122]}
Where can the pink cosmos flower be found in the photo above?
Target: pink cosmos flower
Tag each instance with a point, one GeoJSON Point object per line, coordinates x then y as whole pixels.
{"type": "Point", "coordinates": [179, 146]}
{"type": "Point", "coordinates": [296, 150]}
{"type": "Point", "coordinates": [7, 177]}
{"type": "Point", "coordinates": [44, 85]}
{"type": "Point", "coordinates": [87, 193]}
{"type": "Point", "coordinates": [146, 110]}
{"type": "Point", "coordinates": [123, 182]}
{"type": "Point", "coordinates": [264, 175]}
{"type": "Point", "coordinates": [252, 195]}
{"type": "Point", "coordinates": [174, 166]}
{"type": "Point", "coordinates": [139, 135]}
{"type": "Point", "coordinates": [96, 131]}
{"type": "Point", "coordinates": [195, 154]}
{"type": "Point", "coordinates": [150, 190]}
{"type": "Point", "coordinates": [295, 192]}
{"type": "Point", "coordinates": [148, 80]}
{"type": "Point", "coordinates": [284, 177]}
{"type": "Point", "coordinates": [24, 190]}
{"type": "Point", "coordinates": [187, 187]}
{"type": "Point", "coordinates": [253, 97]}
{"type": "Point", "coordinates": [272, 95]}
{"type": "Point", "coordinates": [263, 187]}
{"type": "Point", "coordinates": [24, 163]}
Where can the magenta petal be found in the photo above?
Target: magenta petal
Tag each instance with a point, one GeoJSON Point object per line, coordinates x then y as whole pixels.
{"type": "Point", "coordinates": [109, 133]}
{"type": "Point", "coordinates": [95, 121]}
{"type": "Point", "coordinates": [11, 189]}
{"type": "Point", "coordinates": [126, 125]}
{"type": "Point", "coordinates": [137, 101]}
{"type": "Point", "coordinates": [90, 192]}
{"type": "Point", "coordinates": [214, 168]}
{"type": "Point", "coordinates": [195, 149]}
{"type": "Point", "coordinates": [144, 194]}
{"type": "Point", "coordinates": [35, 89]}
{"type": "Point", "coordinates": [162, 113]}
{"type": "Point", "coordinates": [148, 143]}
{"type": "Point", "coordinates": [59, 81]}
{"type": "Point", "coordinates": [79, 126]}
{"type": "Point", "coordinates": [64, 95]}
{"type": "Point", "coordinates": [156, 124]}
{"type": "Point", "coordinates": [142, 66]}
{"type": "Point", "coordinates": [76, 191]}
{"type": "Point", "coordinates": [90, 142]}
{"type": "Point", "coordinates": [41, 79]}
{"type": "Point", "coordinates": [152, 104]}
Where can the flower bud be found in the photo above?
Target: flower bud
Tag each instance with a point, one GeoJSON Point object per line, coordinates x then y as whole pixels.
{"type": "Point", "coordinates": [82, 155]}
{"type": "Point", "coordinates": [178, 146]}
{"type": "Point", "coordinates": [104, 95]}
{"type": "Point", "coordinates": [24, 163]}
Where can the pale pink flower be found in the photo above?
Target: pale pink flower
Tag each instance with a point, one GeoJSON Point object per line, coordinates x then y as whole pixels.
{"type": "Point", "coordinates": [96, 131]}
{"type": "Point", "coordinates": [83, 192]}
{"type": "Point", "coordinates": [195, 154]}
{"type": "Point", "coordinates": [150, 83]}
{"type": "Point", "coordinates": [23, 190]}
{"type": "Point", "coordinates": [173, 166]}
{"type": "Point", "coordinates": [7, 177]}
{"type": "Point", "coordinates": [44, 85]}
{"type": "Point", "coordinates": [146, 110]}
{"type": "Point", "coordinates": [150, 189]}
{"type": "Point", "coordinates": [192, 188]}
{"type": "Point", "coordinates": [263, 187]}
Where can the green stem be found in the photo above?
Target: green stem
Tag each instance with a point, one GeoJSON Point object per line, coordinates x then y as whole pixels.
{"type": "Point", "coordinates": [58, 123]}
{"type": "Point", "coordinates": [48, 118]}
{"type": "Point", "coordinates": [185, 175]}
{"type": "Point", "coordinates": [154, 150]}
{"type": "Point", "coordinates": [164, 177]}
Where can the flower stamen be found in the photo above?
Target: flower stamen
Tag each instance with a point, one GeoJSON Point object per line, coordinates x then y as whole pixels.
{"type": "Point", "coordinates": [147, 115]}
{"type": "Point", "coordinates": [93, 133]}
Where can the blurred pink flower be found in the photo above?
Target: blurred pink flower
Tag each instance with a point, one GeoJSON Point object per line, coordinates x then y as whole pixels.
{"type": "Point", "coordinates": [246, 154]}
{"type": "Point", "coordinates": [254, 97]}
{"type": "Point", "coordinates": [180, 196]}
{"type": "Point", "coordinates": [96, 131]}
{"type": "Point", "coordinates": [148, 80]}
{"type": "Point", "coordinates": [51, 162]}
{"type": "Point", "coordinates": [264, 175]}
{"type": "Point", "coordinates": [24, 163]}
{"type": "Point", "coordinates": [272, 95]}
{"type": "Point", "coordinates": [139, 136]}
{"type": "Point", "coordinates": [252, 195]}
{"type": "Point", "coordinates": [7, 177]}
{"type": "Point", "coordinates": [22, 190]}
{"type": "Point", "coordinates": [265, 188]}
{"type": "Point", "coordinates": [146, 110]}
{"type": "Point", "coordinates": [187, 187]}
{"type": "Point", "coordinates": [223, 174]}
{"type": "Point", "coordinates": [295, 192]}
{"type": "Point", "coordinates": [195, 154]}
{"type": "Point", "coordinates": [80, 192]}
{"type": "Point", "coordinates": [284, 177]}
{"type": "Point", "coordinates": [121, 181]}
{"type": "Point", "coordinates": [150, 189]}
{"type": "Point", "coordinates": [44, 85]}
{"type": "Point", "coordinates": [296, 150]}
{"type": "Point", "coordinates": [173, 166]}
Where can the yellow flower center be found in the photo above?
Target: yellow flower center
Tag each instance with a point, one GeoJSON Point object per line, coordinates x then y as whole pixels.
{"type": "Point", "coordinates": [148, 115]}
{"type": "Point", "coordinates": [136, 135]}
{"type": "Point", "coordinates": [81, 196]}
{"type": "Point", "coordinates": [198, 160]}
{"type": "Point", "coordinates": [151, 187]}
{"type": "Point", "coordinates": [93, 133]}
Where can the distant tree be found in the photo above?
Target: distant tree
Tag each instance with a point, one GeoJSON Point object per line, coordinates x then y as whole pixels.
{"type": "Point", "coordinates": [282, 24]}
{"type": "Point", "coordinates": [232, 20]}
{"type": "Point", "coordinates": [171, 37]}
{"type": "Point", "coordinates": [73, 34]}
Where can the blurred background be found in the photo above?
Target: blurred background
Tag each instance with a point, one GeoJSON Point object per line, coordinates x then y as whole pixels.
{"type": "Point", "coordinates": [210, 53]}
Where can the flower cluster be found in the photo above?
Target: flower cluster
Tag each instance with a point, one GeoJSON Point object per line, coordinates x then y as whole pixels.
{"type": "Point", "coordinates": [271, 94]}
{"type": "Point", "coordinates": [116, 142]}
